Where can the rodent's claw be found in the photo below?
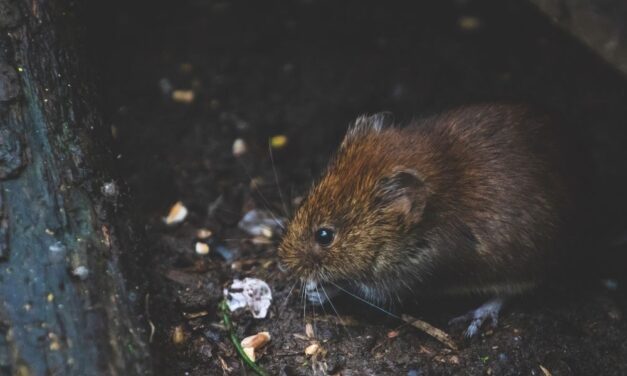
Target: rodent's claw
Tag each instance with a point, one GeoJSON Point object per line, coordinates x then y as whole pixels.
{"type": "Point", "coordinates": [478, 316]}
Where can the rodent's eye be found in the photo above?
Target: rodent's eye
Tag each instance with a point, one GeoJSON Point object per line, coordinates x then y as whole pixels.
{"type": "Point", "coordinates": [324, 236]}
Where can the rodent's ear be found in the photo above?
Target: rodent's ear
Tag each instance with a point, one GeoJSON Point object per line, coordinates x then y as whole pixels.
{"type": "Point", "coordinates": [403, 192]}
{"type": "Point", "coordinates": [368, 123]}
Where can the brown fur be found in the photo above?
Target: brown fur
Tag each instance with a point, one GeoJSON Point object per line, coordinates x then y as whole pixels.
{"type": "Point", "coordinates": [472, 200]}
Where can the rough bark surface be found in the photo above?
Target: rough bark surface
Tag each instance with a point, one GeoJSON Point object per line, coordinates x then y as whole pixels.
{"type": "Point", "coordinates": [600, 24]}
{"type": "Point", "coordinates": [65, 308]}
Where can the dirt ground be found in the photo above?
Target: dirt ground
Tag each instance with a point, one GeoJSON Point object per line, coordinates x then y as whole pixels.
{"type": "Point", "coordinates": [304, 69]}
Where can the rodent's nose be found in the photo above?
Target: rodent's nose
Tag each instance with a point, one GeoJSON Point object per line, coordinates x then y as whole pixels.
{"type": "Point", "coordinates": [315, 254]}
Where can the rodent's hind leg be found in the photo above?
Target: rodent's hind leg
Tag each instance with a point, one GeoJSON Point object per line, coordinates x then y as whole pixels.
{"type": "Point", "coordinates": [477, 317]}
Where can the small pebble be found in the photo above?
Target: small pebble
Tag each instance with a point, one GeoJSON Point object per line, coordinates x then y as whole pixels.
{"type": "Point", "coordinates": [227, 254]}
{"type": "Point", "coordinates": [166, 86]}
{"type": "Point", "coordinates": [110, 189]}
{"type": "Point", "coordinates": [81, 272]}
{"type": "Point", "coordinates": [203, 234]}
{"type": "Point", "coordinates": [202, 248]}
{"type": "Point", "coordinates": [239, 147]}
{"type": "Point", "coordinates": [278, 142]}
{"type": "Point", "coordinates": [610, 284]}
{"type": "Point", "coordinates": [57, 247]}
{"type": "Point", "coordinates": [183, 96]}
{"type": "Point", "coordinates": [213, 336]}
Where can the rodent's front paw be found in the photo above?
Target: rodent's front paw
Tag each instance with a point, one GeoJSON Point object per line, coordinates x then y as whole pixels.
{"type": "Point", "coordinates": [318, 294]}
{"type": "Point", "coordinates": [313, 294]}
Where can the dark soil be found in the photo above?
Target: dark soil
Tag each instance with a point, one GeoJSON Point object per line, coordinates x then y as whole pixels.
{"type": "Point", "coordinates": [304, 69]}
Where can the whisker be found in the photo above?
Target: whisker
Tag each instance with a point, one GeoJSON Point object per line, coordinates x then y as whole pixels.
{"type": "Point", "coordinates": [261, 195]}
{"type": "Point", "coordinates": [304, 297]}
{"type": "Point", "coordinates": [365, 301]}
{"type": "Point", "coordinates": [336, 313]}
{"type": "Point", "coordinates": [287, 298]}
{"type": "Point", "coordinates": [276, 180]}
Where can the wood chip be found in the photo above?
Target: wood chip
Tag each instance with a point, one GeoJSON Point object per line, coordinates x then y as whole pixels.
{"type": "Point", "coordinates": [195, 315]}
{"type": "Point", "coordinates": [312, 349]}
{"type": "Point", "coordinates": [431, 330]}
{"type": "Point", "coordinates": [250, 353]}
{"type": "Point", "coordinates": [256, 341]}
{"type": "Point", "coordinates": [183, 96]}
{"type": "Point", "coordinates": [545, 371]}
{"type": "Point", "coordinates": [178, 213]}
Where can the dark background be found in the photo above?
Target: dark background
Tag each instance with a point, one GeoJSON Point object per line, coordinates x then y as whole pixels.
{"type": "Point", "coordinates": [305, 69]}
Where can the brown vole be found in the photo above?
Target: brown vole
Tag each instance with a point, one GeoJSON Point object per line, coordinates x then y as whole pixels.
{"type": "Point", "coordinates": [474, 200]}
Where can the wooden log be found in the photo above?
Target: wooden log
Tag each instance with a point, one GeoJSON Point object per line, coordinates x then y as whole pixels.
{"type": "Point", "coordinates": [65, 306]}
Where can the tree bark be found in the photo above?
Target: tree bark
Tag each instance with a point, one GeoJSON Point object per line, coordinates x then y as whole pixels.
{"type": "Point", "coordinates": [65, 306]}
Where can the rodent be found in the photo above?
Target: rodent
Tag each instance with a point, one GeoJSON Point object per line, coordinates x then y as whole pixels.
{"type": "Point", "coordinates": [475, 200]}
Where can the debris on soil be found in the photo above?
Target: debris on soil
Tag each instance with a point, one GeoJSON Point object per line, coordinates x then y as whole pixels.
{"type": "Point", "coordinates": [202, 248]}
{"type": "Point", "coordinates": [309, 330]}
{"type": "Point", "coordinates": [254, 342]}
{"type": "Point", "coordinates": [261, 223]}
{"type": "Point", "coordinates": [177, 214]}
{"type": "Point", "coordinates": [545, 371]}
{"type": "Point", "coordinates": [204, 234]}
{"type": "Point", "coordinates": [178, 335]}
{"type": "Point", "coordinates": [312, 349]}
{"type": "Point", "coordinates": [299, 87]}
{"type": "Point", "coordinates": [431, 330]}
{"type": "Point", "coordinates": [227, 254]}
{"type": "Point", "coordinates": [278, 141]}
{"type": "Point", "coordinates": [239, 147]}
{"type": "Point", "coordinates": [183, 96]}
{"type": "Point", "coordinates": [250, 293]}
{"type": "Point", "coordinates": [247, 354]}
{"type": "Point", "coordinates": [250, 353]}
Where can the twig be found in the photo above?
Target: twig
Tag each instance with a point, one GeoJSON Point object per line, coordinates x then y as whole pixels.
{"type": "Point", "coordinates": [229, 327]}
{"type": "Point", "coordinates": [431, 330]}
